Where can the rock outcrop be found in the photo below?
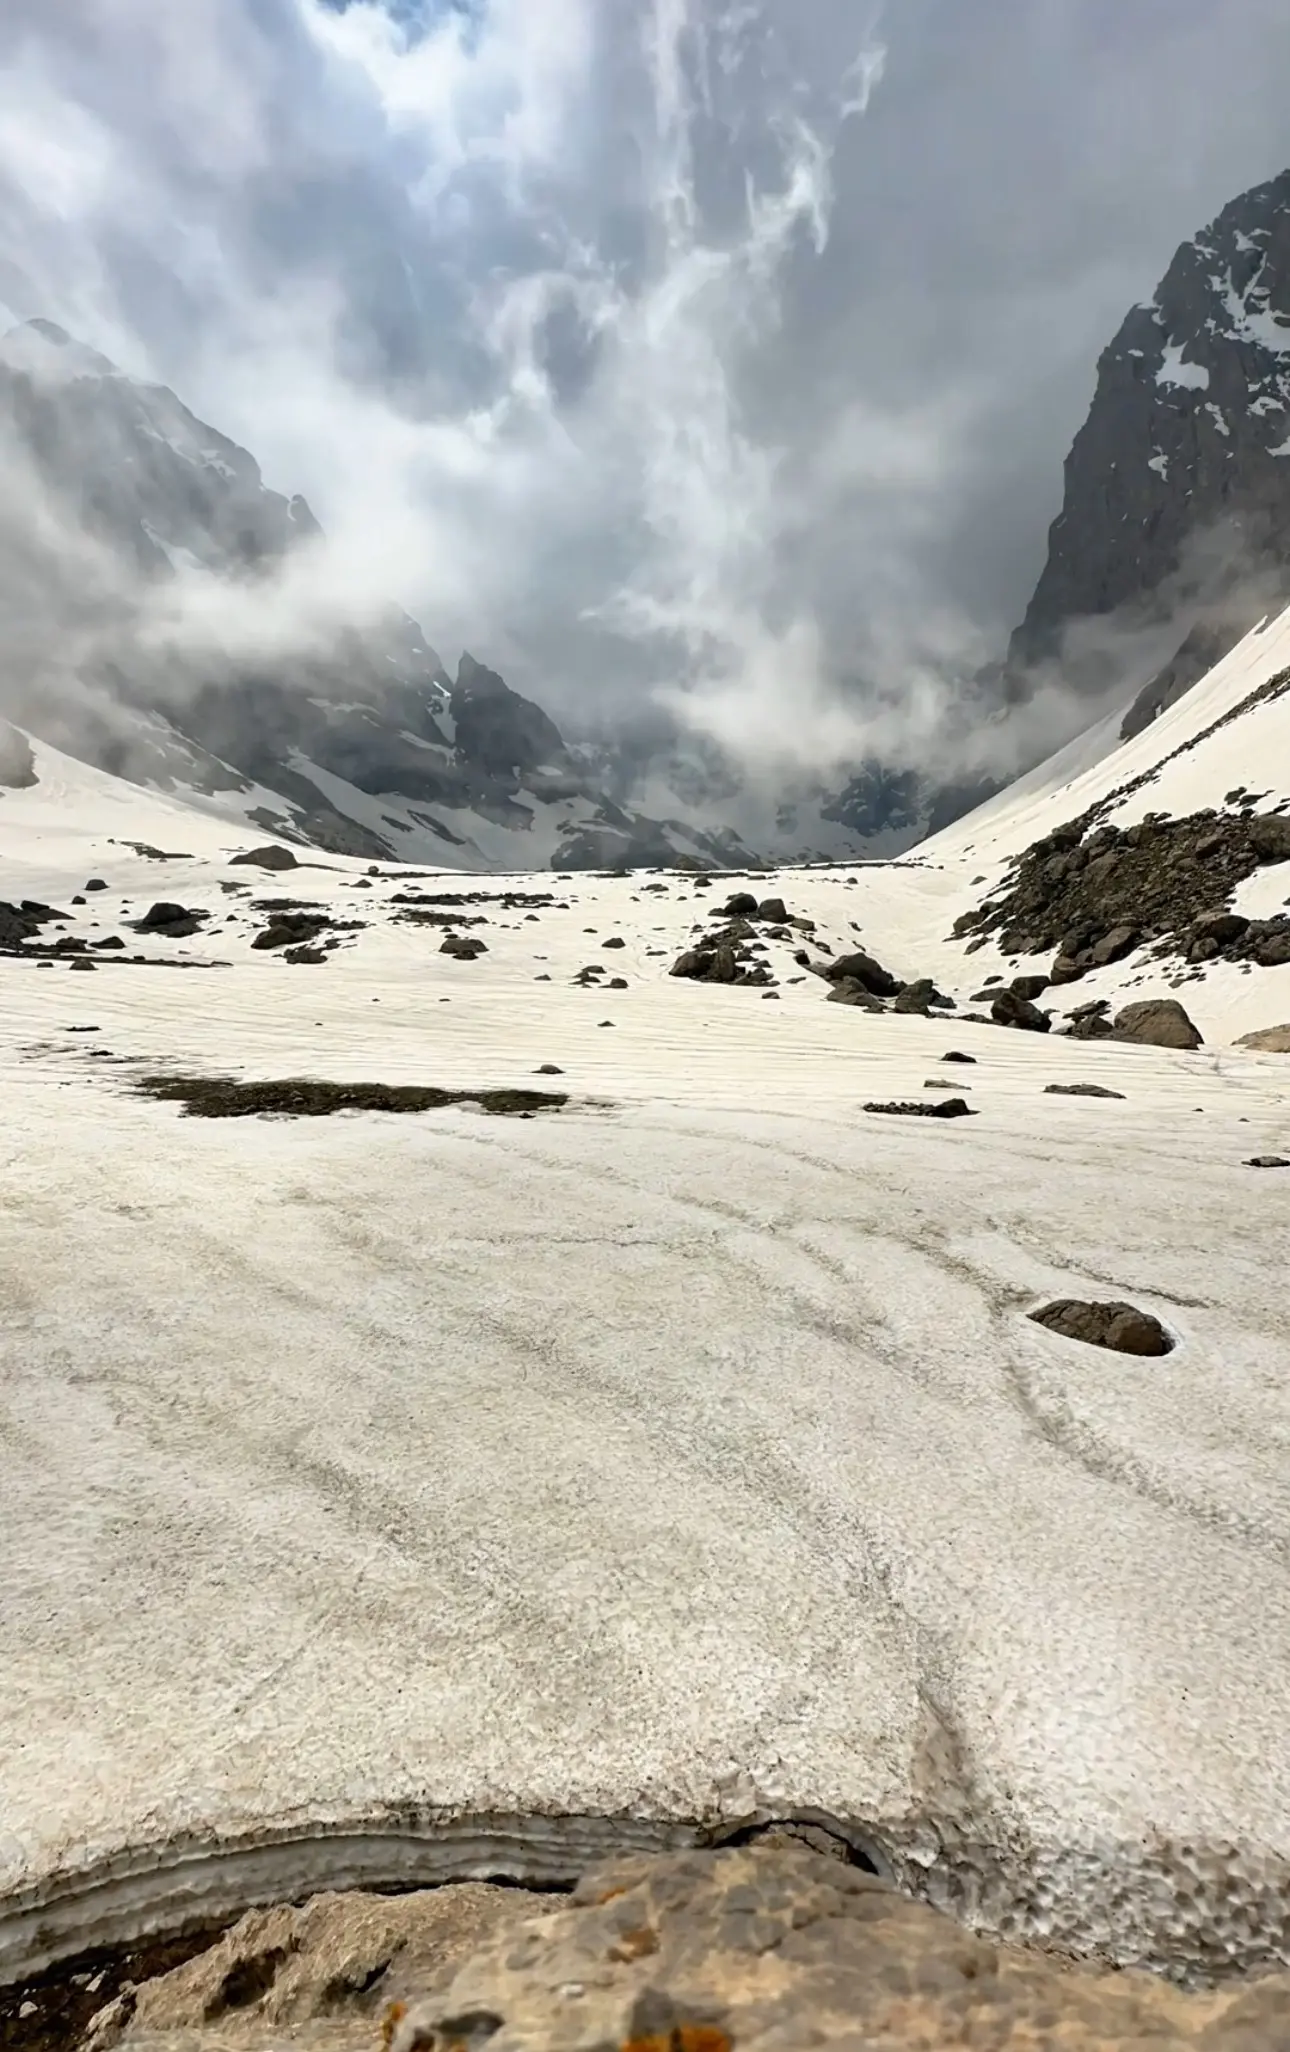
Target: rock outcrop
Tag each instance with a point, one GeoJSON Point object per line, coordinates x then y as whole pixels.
{"type": "Point", "coordinates": [1188, 436]}
{"type": "Point", "coordinates": [760, 1948]}
{"type": "Point", "coordinates": [1095, 892]}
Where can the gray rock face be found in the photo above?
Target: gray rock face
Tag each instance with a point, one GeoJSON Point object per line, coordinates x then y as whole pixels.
{"type": "Point", "coordinates": [498, 729]}
{"type": "Point", "coordinates": [1188, 435]}
{"type": "Point", "coordinates": [1157, 1022]}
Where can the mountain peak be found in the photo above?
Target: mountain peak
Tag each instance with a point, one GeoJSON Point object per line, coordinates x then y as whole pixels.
{"type": "Point", "coordinates": [1188, 436]}
{"type": "Point", "coordinates": [46, 352]}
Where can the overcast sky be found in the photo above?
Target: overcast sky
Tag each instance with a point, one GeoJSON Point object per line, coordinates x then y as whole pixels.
{"type": "Point", "coordinates": [637, 344]}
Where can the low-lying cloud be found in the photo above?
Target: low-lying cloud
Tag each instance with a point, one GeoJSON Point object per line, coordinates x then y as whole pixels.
{"type": "Point", "coordinates": [710, 355]}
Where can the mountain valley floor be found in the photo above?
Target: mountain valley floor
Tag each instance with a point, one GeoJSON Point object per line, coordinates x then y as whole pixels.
{"type": "Point", "coordinates": [472, 1492]}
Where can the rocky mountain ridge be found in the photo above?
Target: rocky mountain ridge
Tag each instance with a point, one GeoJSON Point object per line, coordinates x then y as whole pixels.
{"type": "Point", "coordinates": [1177, 486]}
{"type": "Point", "coordinates": [360, 742]}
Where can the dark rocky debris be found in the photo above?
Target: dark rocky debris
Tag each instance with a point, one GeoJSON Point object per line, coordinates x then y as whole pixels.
{"type": "Point", "coordinates": [1120, 1327]}
{"type": "Point", "coordinates": [1094, 893]}
{"type": "Point", "coordinates": [724, 957]}
{"type": "Point", "coordinates": [291, 930]}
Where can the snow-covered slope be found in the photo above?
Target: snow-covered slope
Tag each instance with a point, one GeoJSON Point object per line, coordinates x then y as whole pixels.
{"type": "Point", "coordinates": [390, 1497]}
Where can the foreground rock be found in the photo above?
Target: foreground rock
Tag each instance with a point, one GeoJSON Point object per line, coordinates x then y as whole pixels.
{"type": "Point", "coordinates": [1121, 1327]}
{"type": "Point", "coordinates": [335, 1957]}
{"type": "Point", "coordinates": [764, 1948]}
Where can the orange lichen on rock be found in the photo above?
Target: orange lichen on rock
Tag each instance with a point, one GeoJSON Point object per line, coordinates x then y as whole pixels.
{"type": "Point", "coordinates": [684, 2038]}
{"type": "Point", "coordinates": [390, 2022]}
{"type": "Point", "coordinates": [635, 1944]}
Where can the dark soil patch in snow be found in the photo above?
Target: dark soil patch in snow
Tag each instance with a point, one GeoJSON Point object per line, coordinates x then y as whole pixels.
{"type": "Point", "coordinates": [948, 1108]}
{"type": "Point", "coordinates": [153, 854]}
{"type": "Point", "coordinates": [1081, 1090]}
{"type": "Point", "coordinates": [223, 1097]}
{"type": "Point", "coordinates": [50, 2012]}
{"type": "Point", "coordinates": [510, 900]}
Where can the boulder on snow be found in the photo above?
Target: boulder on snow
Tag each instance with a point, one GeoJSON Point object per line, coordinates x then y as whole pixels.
{"type": "Point", "coordinates": [1269, 836]}
{"type": "Point", "coordinates": [1157, 1022]}
{"type": "Point", "coordinates": [861, 968]}
{"type": "Point", "coordinates": [266, 858]}
{"type": "Point", "coordinates": [172, 922]}
{"type": "Point", "coordinates": [849, 992]}
{"type": "Point", "coordinates": [1121, 1327]}
{"type": "Point", "coordinates": [922, 997]}
{"type": "Point", "coordinates": [1267, 1040]}
{"type": "Point", "coordinates": [1009, 1008]}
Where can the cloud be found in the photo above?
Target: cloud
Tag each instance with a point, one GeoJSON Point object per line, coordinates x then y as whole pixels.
{"type": "Point", "coordinates": [717, 355]}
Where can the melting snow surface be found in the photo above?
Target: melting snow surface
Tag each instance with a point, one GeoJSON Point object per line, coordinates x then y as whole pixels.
{"type": "Point", "coordinates": [685, 1425]}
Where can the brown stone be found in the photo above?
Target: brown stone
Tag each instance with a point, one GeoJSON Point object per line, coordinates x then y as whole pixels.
{"type": "Point", "coordinates": [1267, 1040]}
{"type": "Point", "coordinates": [1121, 1327]}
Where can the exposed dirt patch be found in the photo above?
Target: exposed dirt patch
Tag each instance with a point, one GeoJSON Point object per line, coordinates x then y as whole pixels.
{"type": "Point", "coordinates": [223, 1097]}
{"type": "Point", "coordinates": [151, 854]}
{"type": "Point", "coordinates": [509, 900]}
{"type": "Point", "coordinates": [1081, 1090]}
{"type": "Point", "coordinates": [948, 1108]}
{"type": "Point", "coordinates": [422, 915]}
{"type": "Point", "coordinates": [50, 2012]}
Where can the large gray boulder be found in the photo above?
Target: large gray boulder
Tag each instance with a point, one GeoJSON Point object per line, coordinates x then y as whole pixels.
{"type": "Point", "coordinates": [1157, 1022]}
